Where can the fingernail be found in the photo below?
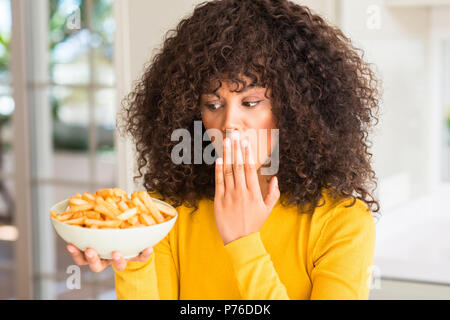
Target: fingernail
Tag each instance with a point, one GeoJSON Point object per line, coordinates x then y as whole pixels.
{"type": "Point", "coordinates": [89, 254]}
{"type": "Point", "coordinates": [71, 249]}
{"type": "Point", "coordinates": [219, 161]}
{"type": "Point", "coordinates": [276, 181]}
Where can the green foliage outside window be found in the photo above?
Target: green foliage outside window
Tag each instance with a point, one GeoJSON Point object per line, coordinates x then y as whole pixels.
{"type": "Point", "coordinates": [70, 136]}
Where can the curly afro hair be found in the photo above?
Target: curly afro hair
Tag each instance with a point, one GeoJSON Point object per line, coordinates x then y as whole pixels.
{"type": "Point", "coordinates": [324, 96]}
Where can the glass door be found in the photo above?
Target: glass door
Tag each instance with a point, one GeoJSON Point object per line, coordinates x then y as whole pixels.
{"type": "Point", "coordinates": [8, 230]}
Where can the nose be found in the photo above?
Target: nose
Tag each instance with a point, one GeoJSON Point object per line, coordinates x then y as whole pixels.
{"type": "Point", "coordinates": [232, 120]}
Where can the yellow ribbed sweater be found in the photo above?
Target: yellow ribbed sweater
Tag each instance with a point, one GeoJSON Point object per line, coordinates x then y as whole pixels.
{"type": "Point", "coordinates": [326, 255]}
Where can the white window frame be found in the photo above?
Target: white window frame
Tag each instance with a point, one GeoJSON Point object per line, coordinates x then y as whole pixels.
{"type": "Point", "coordinates": [439, 31]}
{"type": "Point", "coordinates": [126, 152]}
{"type": "Point", "coordinates": [23, 254]}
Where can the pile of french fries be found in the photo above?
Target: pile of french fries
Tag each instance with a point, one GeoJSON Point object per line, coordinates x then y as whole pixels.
{"type": "Point", "coordinates": [112, 208]}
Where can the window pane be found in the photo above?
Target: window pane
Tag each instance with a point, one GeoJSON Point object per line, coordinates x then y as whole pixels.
{"type": "Point", "coordinates": [103, 68]}
{"type": "Point", "coordinates": [105, 118]}
{"type": "Point", "coordinates": [8, 236]}
{"type": "Point", "coordinates": [72, 42]}
{"type": "Point", "coordinates": [5, 40]}
{"type": "Point", "coordinates": [60, 134]}
{"type": "Point", "coordinates": [6, 205]}
{"type": "Point", "coordinates": [70, 114]}
{"type": "Point", "coordinates": [69, 42]}
{"type": "Point", "coordinates": [103, 27]}
{"type": "Point", "coordinates": [6, 111]}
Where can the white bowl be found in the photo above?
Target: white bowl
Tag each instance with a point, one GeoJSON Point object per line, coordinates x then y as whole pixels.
{"type": "Point", "coordinates": [129, 241]}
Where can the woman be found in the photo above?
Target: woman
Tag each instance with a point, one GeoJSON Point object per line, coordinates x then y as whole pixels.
{"type": "Point", "coordinates": [303, 231]}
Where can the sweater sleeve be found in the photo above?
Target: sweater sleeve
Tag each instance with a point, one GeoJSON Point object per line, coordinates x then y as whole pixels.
{"type": "Point", "coordinates": [343, 255]}
{"type": "Point", "coordinates": [256, 276]}
{"type": "Point", "coordinates": [155, 279]}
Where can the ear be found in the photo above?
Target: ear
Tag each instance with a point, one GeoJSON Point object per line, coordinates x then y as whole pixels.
{"type": "Point", "coordinates": [274, 193]}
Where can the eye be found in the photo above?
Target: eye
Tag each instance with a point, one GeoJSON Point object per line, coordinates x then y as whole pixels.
{"type": "Point", "coordinates": [251, 102]}
{"type": "Point", "coordinates": [215, 106]}
{"type": "Point", "coordinates": [212, 106]}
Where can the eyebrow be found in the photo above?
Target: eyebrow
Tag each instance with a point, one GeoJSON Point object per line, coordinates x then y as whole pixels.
{"type": "Point", "coordinates": [250, 86]}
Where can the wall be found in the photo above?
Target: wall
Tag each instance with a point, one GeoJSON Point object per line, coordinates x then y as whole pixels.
{"type": "Point", "coordinates": [399, 49]}
{"type": "Point", "coordinates": [150, 20]}
{"type": "Point", "coordinates": [140, 28]}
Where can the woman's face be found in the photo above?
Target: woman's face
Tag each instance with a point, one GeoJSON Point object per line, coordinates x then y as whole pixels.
{"type": "Point", "coordinates": [248, 112]}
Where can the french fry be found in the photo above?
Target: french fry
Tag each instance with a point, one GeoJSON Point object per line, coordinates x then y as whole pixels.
{"type": "Point", "coordinates": [138, 203]}
{"type": "Point", "coordinates": [109, 224]}
{"type": "Point", "coordinates": [77, 201]}
{"type": "Point", "coordinates": [78, 221]}
{"type": "Point", "coordinates": [88, 197]}
{"type": "Point", "coordinates": [64, 216]}
{"type": "Point", "coordinates": [78, 204]}
{"type": "Point", "coordinates": [123, 206]}
{"type": "Point", "coordinates": [124, 225]}
{"type": "Point", "coordinates": [146, 219]}
{"type": "Point", "coordinates": [103, 224]}
{"type": "Point", "coordinates": [112, 202]}
{"type": "Point", "coordinates": [166, 209]}
{"type": "Point", "coordinates": [93, 215]}
{"type": "Point", "coordinates": [53, 214]}
{"type": "Point", "coordinates": [120, 193]}
{"type": "Point", "coordinates": [106, 208]}
{"type": "Point", "coordinates": [127, 214]}
{"type": "Point", "coordinates": [105, 211]}
{"type": "Point", "coordinates": [78, 214]}
{"type": "Point", "coordinates": [110, 207]}
{"type": "Point", "coordinates": [129, 203]}
{"type": "Point", "coordinates": [149, 203]}
{"type": "Point", "coordinates": [134, 220]}
{"type": "Point", "coordinates": [105, 193]}
{"type": "Point", "coordinates": [83, 207]}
